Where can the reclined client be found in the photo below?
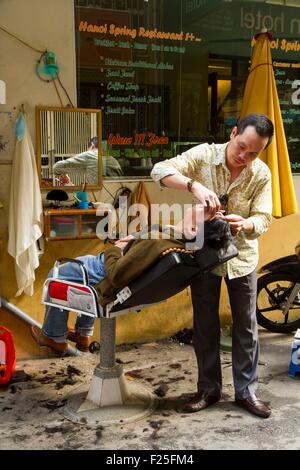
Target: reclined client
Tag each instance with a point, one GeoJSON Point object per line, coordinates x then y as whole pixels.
{"type": "Point", "coordinates": [113, 269]}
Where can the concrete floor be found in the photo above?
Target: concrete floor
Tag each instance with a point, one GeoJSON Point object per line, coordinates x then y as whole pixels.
{"type": "Point", "coordinates": [32, 410]}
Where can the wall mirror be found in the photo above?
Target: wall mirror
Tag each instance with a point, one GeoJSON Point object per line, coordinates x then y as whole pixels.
{"type": "Point", "coordinates": [69, 147]}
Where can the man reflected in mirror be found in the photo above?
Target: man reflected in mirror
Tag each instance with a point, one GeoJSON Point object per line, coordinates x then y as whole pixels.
{"type": "Point", "coordinates": [86, 163]}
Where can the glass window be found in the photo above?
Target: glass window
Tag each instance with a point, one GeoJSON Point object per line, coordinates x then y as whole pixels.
{"type": "Point", "coordinates": [148, 73]}
{"type": "Point", "coordinates": [169, 74]}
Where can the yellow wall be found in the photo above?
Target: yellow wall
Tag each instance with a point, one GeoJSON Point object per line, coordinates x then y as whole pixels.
{"type": "Point", "coordinates": [49, 24]}
{"type": "Point", "coordinates": [160, 321]}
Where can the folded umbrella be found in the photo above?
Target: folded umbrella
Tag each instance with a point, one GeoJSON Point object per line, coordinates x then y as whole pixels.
{"type": "Point", "coordinates": [261, 96]}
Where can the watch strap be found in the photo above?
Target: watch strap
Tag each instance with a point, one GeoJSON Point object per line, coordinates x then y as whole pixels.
{"type": "Point", "coordinates": [190, 185]}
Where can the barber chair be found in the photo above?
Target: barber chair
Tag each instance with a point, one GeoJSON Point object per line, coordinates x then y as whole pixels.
{"type": "Point", "coordinates": [110, 398]}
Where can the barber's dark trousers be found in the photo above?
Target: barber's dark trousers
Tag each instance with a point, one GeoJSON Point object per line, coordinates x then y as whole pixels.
{"type": "Point", "coordinates": [245, 346]}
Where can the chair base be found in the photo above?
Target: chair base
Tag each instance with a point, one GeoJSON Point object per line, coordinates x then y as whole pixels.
{"type": "Point", "coordinates": [109, 401]}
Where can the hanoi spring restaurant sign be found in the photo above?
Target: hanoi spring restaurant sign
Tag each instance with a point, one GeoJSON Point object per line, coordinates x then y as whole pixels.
{"type": "Point", "coordinates": [137, 66]}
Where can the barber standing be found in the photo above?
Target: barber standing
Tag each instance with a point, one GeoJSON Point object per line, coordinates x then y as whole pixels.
{"type": "Point", "coordinates": [230, 177]}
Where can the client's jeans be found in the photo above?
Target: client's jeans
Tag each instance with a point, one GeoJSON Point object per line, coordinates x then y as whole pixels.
{"type": "Point", "coordinates": [56, 320]}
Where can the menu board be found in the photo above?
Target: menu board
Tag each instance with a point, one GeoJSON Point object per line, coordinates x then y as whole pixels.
{"type": "Point", "coordinates": [145, 64]}
{"type": "Point", "coordinates": [149, 76]}
{"type": "Point", "coordinates": [287, 75]}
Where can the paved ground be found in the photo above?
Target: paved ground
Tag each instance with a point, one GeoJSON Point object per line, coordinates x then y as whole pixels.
{"type": "Point", "coordinates": [32, 410]}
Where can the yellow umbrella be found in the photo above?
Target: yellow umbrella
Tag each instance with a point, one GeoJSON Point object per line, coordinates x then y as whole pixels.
{"type": "Point", "coordinates": [261, 97]}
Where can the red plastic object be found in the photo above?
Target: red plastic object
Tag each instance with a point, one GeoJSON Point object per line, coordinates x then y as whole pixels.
{"type": "Point", "coordinates": [59, 290]}
{"type": "Point", "coordinates": [7, 355]}
{"type": "Point", "coordinates": [63, 220]}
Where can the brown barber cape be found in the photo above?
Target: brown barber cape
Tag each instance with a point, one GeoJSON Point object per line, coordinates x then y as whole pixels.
{"type": "Point", "coordinates": [138, 256]}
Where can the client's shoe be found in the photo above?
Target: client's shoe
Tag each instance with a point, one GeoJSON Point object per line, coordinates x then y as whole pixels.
{"type": "Point", "coordinates": [200, 401]}
{"type": "Point", "coordinates": [254, 406]}
{"type": "Point", "coordinates": [42, 340]}
{"type": "Point", "coordinates": [82, 342]}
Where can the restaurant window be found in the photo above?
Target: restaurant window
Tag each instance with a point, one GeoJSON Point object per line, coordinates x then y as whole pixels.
{"type": "Point", "coordinates": [170, 74]}
{"type": "Point", "coordinates": [147, 73]}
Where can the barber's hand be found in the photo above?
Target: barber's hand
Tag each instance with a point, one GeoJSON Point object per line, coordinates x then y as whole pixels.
{"type": "Point", "coordinates": [121, 244]}
{"type": "Point", "coordinates": [238, 223]}
{"type": "Point", "coordinates": [124, 241]}
{"type": "Point", "coordinates": [208, 198]}
{"type": "Point", "coordinates": [127, 238]}
{"type": "Point", "coordinates": [220, 214]}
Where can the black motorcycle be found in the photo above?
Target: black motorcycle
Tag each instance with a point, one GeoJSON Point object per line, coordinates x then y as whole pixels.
{"type": "Point", "coordinates": [278, 295]}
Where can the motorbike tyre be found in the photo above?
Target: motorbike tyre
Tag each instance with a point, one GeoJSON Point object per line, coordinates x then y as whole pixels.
{"type": "Point", "coordinates": [276, 327]}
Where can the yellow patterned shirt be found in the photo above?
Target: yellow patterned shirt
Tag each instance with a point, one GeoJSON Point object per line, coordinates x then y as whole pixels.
{"type": "Point", "coordinates": [249, 195]}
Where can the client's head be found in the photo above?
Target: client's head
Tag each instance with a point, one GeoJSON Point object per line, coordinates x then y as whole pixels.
{"type": "Point", "coordinates": [217, 234]}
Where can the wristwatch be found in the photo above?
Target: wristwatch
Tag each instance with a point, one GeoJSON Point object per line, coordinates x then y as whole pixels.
{"type": "Point", "coordinates": [190, 185]}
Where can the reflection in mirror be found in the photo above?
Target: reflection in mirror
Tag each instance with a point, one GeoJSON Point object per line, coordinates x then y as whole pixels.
{"type": "Point", "coordinates": [69, 147]}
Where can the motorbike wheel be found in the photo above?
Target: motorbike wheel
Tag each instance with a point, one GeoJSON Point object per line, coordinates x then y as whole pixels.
{"type": "Point", "coordinates": [273, 290]}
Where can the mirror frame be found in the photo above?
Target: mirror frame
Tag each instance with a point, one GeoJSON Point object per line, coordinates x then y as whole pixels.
{"type": "Point", "coordinates": [38, 109]}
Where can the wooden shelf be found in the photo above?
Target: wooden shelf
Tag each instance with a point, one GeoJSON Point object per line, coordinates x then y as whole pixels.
{"type": "Point", "coordinates": [70, 224]}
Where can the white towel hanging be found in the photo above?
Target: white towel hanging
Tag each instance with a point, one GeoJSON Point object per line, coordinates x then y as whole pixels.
{"type": "Point", "coordinates": [25, 211]}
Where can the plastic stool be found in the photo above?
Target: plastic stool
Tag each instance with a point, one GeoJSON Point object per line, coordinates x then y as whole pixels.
{"type": "Point", "coordinates": [295, 356]}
